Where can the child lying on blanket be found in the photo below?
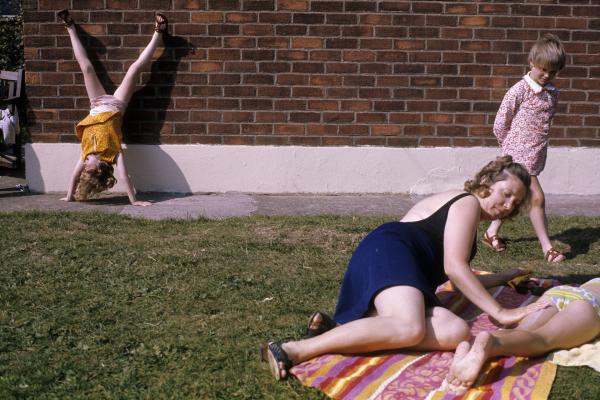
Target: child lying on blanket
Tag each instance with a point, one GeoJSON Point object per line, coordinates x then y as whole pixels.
{"type": "Point", "coordinates": [571, 318]}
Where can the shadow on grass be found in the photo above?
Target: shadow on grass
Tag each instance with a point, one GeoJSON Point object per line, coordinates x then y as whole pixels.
{"type": "Point", "coordinates": [579, 239]}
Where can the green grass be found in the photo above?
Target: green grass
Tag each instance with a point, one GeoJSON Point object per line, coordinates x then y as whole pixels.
{"type": "Point", "coordinates": [104, 306]}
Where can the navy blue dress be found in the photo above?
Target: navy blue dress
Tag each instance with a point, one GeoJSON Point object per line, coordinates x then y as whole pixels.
{"type": "Point", "coordinates": [394, 254]}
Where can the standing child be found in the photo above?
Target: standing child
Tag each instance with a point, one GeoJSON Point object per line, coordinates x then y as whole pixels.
{"type": "Point", "coordinates": [522, 126]}
{"type": "Point", "coordinates": [100, 132]}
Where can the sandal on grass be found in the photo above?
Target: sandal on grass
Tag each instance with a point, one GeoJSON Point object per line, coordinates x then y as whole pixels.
{"type": "Point", "coordinates": [65, 17]}
{"type": "Point", "coordinates": [552, 254]}
{"type": "Point", "coordinates": [327, 323]}
{"type": "Point", "coordinates": [161, 23]}
{"type": "Point", "coordinates": [275, 356]}
{"type": "Point", "coordinates": [500, 245]}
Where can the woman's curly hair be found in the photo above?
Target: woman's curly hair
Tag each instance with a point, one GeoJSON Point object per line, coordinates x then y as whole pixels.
{"type": "Point", "coordinates": [94, 182]}
{"type": "Point", "coordinates": [499, 170]}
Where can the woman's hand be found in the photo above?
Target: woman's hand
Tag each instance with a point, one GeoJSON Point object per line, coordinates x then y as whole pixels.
{"type": "Point", "coordinates": [140, 203]}
{"type": "Point", "coordinates": [510, 316]}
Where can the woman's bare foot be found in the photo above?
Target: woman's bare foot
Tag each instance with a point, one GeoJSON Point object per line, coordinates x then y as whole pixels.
{"type": "Point", "coordinates": [467, 363]}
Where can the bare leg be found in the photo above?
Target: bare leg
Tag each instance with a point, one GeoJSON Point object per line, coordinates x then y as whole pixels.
{"type": "Point", "coordinates": [92, 85]}
{"type": "Point", "coordinates": [399, 322]}
{"type": "Point", "coordinates": [574, 326]}
{"type": "Point", "coordinates": [494, 227]}
{"type": "Point", "coordinates": [126, 88]}
{"type": "Point", "coordinates": [537, 214]}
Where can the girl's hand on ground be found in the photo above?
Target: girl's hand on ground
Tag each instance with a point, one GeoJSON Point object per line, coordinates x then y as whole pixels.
{"type": "Point", "coordinates": [510, 316]}
{"type": "Point", "coordinates": [141, 203]}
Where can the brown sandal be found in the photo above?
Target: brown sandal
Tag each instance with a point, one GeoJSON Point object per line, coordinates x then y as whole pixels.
{"type": "Point", "coordinates": [489, 242]}
{"type": "Point", "coordinates": [552, 254]}
{"type": "Point", "coordinates": [66, 18]}
{"type": "Point", "coordinates": [161, 24]}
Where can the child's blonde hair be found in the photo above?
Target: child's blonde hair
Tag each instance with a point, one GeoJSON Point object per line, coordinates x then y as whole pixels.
{"type": "Point", "coordinates": [548, 52]}
{"type": "Point", "coordinates": [96, 181]}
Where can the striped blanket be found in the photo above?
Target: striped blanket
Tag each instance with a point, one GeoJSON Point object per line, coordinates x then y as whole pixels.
{"type": "Point", "coordinates": [414, 375]}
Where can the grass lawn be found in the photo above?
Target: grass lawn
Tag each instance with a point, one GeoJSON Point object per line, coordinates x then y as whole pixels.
{"type": "Point", "coordinates": [104, 306]}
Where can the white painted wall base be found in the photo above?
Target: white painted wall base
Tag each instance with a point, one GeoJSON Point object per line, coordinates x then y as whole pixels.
{"type": "Point", "coordinates": [295, 169]}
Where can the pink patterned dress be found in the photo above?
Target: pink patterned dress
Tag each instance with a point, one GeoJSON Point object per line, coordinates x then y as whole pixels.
{"type": "Point", "coordinates": [523, 123]}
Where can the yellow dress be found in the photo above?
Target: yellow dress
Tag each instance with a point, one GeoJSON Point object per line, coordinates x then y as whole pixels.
{"type": "Point", "coordinates": [101, 134]}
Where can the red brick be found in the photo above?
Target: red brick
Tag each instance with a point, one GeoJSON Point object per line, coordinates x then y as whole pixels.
{"type": "Point", "coordinates": [305, 141]}
{"type": "Point", "coordinates": [336, 141]}
{"type": "Point", "coordinates": [461, 8]}
{"type": "Point", "coordinates": [327, 6]}
{"type": "Point", "coordinates": [361, 31]}
{"type": "Point", "coordinates": [341, 19]}
{"type": "Point", "coordinates": [292, 5]}
{"type": "Point", "coordinates": [369, 141]}
{"type": "Point", "coordinates": [306, 43]}
{"type": "Point", "coordinates": [257, 129]}
{"type": "Point", "coordinates": [205, 17]}
{"type": "Point", "coordinates": [289, 129]}
{"type": "Point", "coordinates": [402, 142]}
{"type": "Point", "coordinates": [290, 104]}
{"type": "Point", "coordinates": [338, 117]}
{"type": "Point", "coordinates": [238, 116]}
{"type": "Point", "coordinates": [239, 140]}
{"type": "Point", "coordinates": [271, 140]}
{"type": "Point", "coordinates": [325, 55]}
{"type": "Point", "coordinates": [386, 130]}
{"type": "Point", "coordinates": [368, 118]}
{"type": "Point", "coordinates": [474, 21]}
{"type": "Point", "coordinates": [223, 129]}
{"type": "Point", "coordinates": [405, 118]}
{"type": "Point", "coordinates": [354, 130]}
{"type": "Point", "coordinates": [292, 79]}
{"type": "Point", "coordinates": [258, 30]}
{"type": "Point", "coordinates": [257, 104]}
{"type": "Point", "coordinates": [438, 118]}
{"type": "Point", "coordinates": [376, 44]}
{"type": "Point", "coordinates": [264, 116]}
{"type": "Point", "coordinates": [274, 91]}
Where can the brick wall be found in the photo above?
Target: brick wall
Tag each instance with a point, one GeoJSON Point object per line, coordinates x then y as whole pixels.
{"type": "Point", "coordinates": [315, 73]}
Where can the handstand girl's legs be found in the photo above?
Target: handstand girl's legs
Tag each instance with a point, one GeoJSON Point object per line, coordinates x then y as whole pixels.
{"type": "Point", "coordinates": [126, 88]}
{"type": "Point", "coordinates": [92, 84]}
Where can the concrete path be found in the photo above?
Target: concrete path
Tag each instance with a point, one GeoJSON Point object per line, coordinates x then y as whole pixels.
{"type": "Point", "coordinates": [224, 205]}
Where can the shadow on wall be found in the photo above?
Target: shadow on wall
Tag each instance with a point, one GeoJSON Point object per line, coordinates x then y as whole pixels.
{"type": "Point", "coordinates": [144, 120]}
{"type": "Point", "coordinates": [153, 169]}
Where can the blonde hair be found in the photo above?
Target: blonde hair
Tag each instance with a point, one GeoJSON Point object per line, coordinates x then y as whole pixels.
{"type": "Point", "coordinates": [548, 52]}
{"type": "Point", "coordinates": [95, 181]}
{"type": "Point", "coordinates": [499, 170]}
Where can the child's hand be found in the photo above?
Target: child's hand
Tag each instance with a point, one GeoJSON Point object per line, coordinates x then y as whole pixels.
{"type": "Point", "coordinates": [141, 203]}
{"type": "Point", "coordinates": [66, 199]}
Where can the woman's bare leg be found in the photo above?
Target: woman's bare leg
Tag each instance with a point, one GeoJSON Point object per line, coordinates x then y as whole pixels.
{"type": "Point", "coordinates": [575, 325]}
{"type": "Point", "coordinates": [92, 84]}
{"type": "Point", "coordinates": [127, 87]}
{"type": "Point", "coordinates": [399, 322]}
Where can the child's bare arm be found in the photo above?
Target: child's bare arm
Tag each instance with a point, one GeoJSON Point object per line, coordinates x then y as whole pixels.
{"type": "Point", "coordinates": [124, 177]}
{"type": "Point", "coordinates": [74, 181]}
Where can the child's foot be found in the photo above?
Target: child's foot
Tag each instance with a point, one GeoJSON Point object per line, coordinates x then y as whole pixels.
{"type": "Point", "coordinates": [65, 17]}
{"type": "Point", "coordinates": [554, 256]}
{"type": "Point", "coordinates": [467, 364]}
{"type": "Point", "coordinates": [161, 24]}
{"type": "Point", "coordinates": [494, 242]}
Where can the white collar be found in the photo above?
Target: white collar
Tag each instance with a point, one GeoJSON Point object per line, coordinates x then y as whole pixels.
{"type": "Point", "coordinates": [536, 87]}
